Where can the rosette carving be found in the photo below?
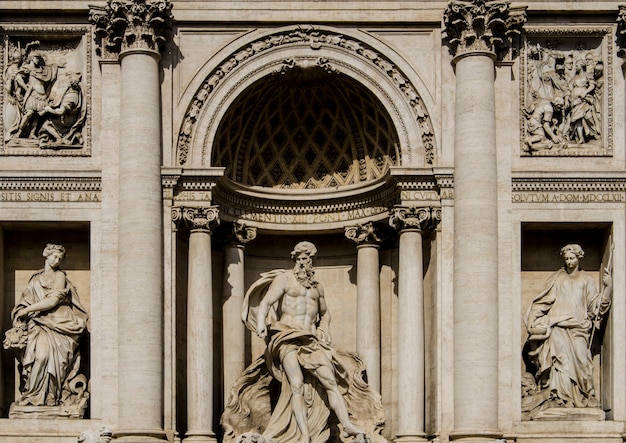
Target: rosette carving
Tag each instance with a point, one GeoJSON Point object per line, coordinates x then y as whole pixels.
{"type": "Point", "coordinates": [482, 25]}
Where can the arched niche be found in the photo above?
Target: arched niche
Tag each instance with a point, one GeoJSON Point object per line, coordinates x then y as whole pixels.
{"type": "Point", "coordinates": [353, 54]}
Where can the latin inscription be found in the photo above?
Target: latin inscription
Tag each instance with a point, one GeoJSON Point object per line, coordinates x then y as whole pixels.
{"type": "Point", "coordinates": [571, 197]}
{"type": "Point", "coordinates": [296, 219]}
{"type": "Point", "coordinates": [48, 196]}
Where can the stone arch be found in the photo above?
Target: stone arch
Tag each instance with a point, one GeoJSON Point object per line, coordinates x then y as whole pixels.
{"type": "Point", "coordinates": [259, 54]}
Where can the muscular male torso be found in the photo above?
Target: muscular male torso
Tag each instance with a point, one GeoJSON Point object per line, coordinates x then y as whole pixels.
{"type": "Point", "coordinates": [299, 306]}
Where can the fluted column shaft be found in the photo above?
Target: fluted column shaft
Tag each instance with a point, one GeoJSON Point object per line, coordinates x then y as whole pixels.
{"type": "Point", "coordinates": [234, 330]}
{"type": "Point", "coordinates": [140, 271]}
{"type": "Point", "coordinates": [200, 322]}
{"type": "Point", "coordinates": [412, 223]}
{"type": "Point", "coordinates": [368, 300]}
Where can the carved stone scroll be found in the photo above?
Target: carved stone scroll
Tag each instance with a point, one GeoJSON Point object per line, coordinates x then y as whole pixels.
{"type": "Point", "coordinates": [198, 218]}
{"type": "Point", "coordinates": [421, 219]}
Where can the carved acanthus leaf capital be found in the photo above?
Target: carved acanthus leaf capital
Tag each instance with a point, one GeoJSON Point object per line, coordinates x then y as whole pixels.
{"type": "Point", "coordinates": [131, 24]}
{"type": "Point", "coordinates": [421, 219]}
{"type": "Point", "coordinates": [482, 26]}
{"type": "Point", "coordinates": [363, 234]}
{"type": "Point", "coordinates": [242, 233]}
{"type": "Point", "coordinates": [198, 218]}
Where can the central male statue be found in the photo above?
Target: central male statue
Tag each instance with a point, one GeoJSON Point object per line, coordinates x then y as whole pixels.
{"type": "Point", "coordinates": [288, 310]}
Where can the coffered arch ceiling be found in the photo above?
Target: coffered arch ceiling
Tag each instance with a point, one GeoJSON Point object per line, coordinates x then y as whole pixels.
{"type": "Point", "coordinates": [305, 128]}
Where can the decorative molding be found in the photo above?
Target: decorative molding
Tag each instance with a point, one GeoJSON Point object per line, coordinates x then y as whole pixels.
{"type": "Point", "coordinates": [363, 234]}
{"type": "Point", "coordinates": [124, 25]}
{"type": "Point", "coordinates": [555, 61]}
{"type": "Point", "coordinates": [482, 26]}
{"type": "Point", "coordinates": [569, 184]}
{"type": "Point", "coordinates": [69, 189]}
{"type": "Point", "coordinates": [315, 38]}
{"type": "Point", "coordinates": [60, 57]}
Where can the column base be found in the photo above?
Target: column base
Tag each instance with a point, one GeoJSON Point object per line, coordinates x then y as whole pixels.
{"type": "Point", "coordinates": [412, 438]}
{"type": "Point", "coordinates": [200, 437]}
{"type": "Point", "coordinates": [139, 436]}
{"type": "Point", "coordinates": [475, 436]}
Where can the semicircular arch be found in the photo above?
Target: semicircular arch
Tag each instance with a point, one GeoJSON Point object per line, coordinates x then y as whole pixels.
{"type": "Point", "coordinates": [261, 54]}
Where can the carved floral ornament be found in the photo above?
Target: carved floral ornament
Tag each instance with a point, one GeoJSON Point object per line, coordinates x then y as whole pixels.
{"type": "Point", "coordinates": [479, 25]}
{"type": "Point", "coordinates": [315, 38]}
{"type": "Point", "coordinates": [131, 24]}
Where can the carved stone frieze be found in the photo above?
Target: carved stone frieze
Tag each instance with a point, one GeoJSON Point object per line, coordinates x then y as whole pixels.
{"type": "Point", "coordinates": [570, 190]}
{"type": "Point", "coordinates": [621, 32]}
{"type": "Point", "coordinates": [423, 219]}
{"type": "Point", "coordinates": [45, 102]}
{"type": "Point", "coordinates": [363, 234]}
{"type": "Point", "coordinates": [197, 218]}
{"type": "Point", "coordinates": [131, 24]}
{"type": "Point", "coordinates": [566, 92]}
{"type": "Point", "coordinates": [67, 189]}
{"type": "Point", "coordinates": [243, 233]}
{"type": "Point", "coordinates": [315, 38]}
{"type": "Point", "coordinates": [482, 26]}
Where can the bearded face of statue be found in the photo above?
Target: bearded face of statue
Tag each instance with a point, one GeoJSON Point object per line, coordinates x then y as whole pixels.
{"type": "Point", "coordinates": [303, 270]}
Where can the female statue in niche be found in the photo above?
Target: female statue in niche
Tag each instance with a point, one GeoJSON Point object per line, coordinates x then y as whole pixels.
{"type": "Point", "coordinates": [48, 322]}
{"type": "Point", "coordinates": [560, 324]}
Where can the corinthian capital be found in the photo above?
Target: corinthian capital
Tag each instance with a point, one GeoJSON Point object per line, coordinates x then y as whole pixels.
{"type": "Point", "coordinates": [363, 234]}
{"type": "Point", "coordinates": [131, 24]}
{"type": "Point", "coordinates": [420, 219]}
{"type": "Point", "coordinates": [482, 26]}
{"type": "Point", "coordinates": [198, 219]}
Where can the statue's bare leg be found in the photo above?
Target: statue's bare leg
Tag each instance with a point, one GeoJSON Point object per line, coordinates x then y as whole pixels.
{"type": "Point", "coordinates": [326, 376]}
{"type": "Point", "coordinates": [292, 369]}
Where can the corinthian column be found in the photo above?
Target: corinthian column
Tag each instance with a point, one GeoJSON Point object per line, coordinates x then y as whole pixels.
{"type": "Point", "coordinates": [234, 330]}
{"type": "Point", "coordinates": [368, 299]}
{"type": "Point", "coordinates": [199, 322]}
{"type": "Point", "coordinates": [412, 223]}
{"type": "Point", "coordinates": [134, 31]}
{"type": "Point", "coordinates": [477, 32]}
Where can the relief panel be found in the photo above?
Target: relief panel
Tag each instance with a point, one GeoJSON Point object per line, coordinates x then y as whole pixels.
{"type": "Point", "coordinates": [45, 91]}
{"type": "Point", "coordinates": [566, 92]}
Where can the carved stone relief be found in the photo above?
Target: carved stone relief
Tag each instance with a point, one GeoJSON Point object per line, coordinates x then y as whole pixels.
{"type": "Point", "coordinates": [45, 101]}
{"type": "Point", "coordinates": [566, 93]}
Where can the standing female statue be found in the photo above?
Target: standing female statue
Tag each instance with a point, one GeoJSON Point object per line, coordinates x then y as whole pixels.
{"type": "Point", "coordinates": [52, 320]}
{"type": "Point", "coordinates": [560, 322]}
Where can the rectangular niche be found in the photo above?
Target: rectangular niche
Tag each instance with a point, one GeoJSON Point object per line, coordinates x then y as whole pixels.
{"type": "Point", "coordinates": [46, 96]}
{"type": "Point", "coordinates": [566, 92]}
{"type": "Point", "coordinates": [21, 249]}
{"type": "Point", "coordinates": [542, 288]}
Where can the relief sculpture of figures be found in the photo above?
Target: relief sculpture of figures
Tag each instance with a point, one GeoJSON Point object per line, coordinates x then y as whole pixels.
{"type": "Point", "coordinates": [561, 322]}
{"type": "Point", "coordinates": [43, 109]}
{"type": "Point", "coordinates": [563, 104]}
{"type": "Point", "coordinates": [48, 322]}
{"type": "Point", "coordinates": [287, 308]}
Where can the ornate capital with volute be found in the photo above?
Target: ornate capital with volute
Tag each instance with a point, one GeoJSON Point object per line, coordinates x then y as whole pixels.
{"type": "Point", "coordinates": [364, 234]}
{"type": "Point", "coordinates": [198, 218]}
{"type": "Point", "coordinates": [242, 233]}
{"type": "Point", "coordinates": [482, 26]}
{"type": "Point", "coordinates": [131, 24]}
{"type": "Point", "coordinates": [411, 218]}
{"type": "Point", "coordinates": [621, 32]}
